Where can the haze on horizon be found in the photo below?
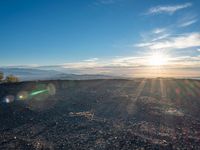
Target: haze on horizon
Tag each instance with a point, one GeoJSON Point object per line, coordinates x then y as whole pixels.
{"type": "Point", "coordinates": [115, 37]}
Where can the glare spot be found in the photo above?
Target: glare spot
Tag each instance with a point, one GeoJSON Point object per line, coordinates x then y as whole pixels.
{"type": "Point", "coordinates": [23, 95]}
{"type": "Point", "coordinates": [9, 99]}
{"type": "Point", "coordinates": [158, 59]}
{"type": "Point", "coordinates": [51, 89]}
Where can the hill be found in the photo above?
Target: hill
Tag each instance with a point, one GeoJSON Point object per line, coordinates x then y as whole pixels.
{"type": "Point", "coordinates": [100, 114]}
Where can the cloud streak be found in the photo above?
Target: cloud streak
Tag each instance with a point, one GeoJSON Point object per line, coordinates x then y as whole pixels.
{"type": "Point", "coordinates": [131, 66]}
{"type": "Point", "coordinates": [137, 67]}
{"type": "Point", "coordinates": [187, 20]}
{"type": "Point", "coordinates": [188, 23]}
{"type": "Point", "coordinates": [92, 60]}
{"type": "Point", "coordinates": [178, 42]}
{"type": "Point", "coordinates": [169, 9]}
{"type": "Point", "coordinates": [159, 30]}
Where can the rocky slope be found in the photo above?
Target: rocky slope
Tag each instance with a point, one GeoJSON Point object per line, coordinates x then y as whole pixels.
{"type": "Point", "coordinates": [100, 114]}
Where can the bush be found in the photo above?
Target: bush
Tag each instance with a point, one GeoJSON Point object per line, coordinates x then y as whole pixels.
{"type": "Point", "coordinates": [1, 76]}
{"type": "Point", "coordinates": [12, 78]}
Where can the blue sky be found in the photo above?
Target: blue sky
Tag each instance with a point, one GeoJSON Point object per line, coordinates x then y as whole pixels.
{"type": "Point", "coordinates": [100, 36]}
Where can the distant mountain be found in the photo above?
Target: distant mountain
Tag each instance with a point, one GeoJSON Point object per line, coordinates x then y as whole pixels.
{"type": "Point", "coordinates": [26, 74]}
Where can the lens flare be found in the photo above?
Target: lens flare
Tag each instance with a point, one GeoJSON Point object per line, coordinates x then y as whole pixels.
{"type": "Point", "coordinates": [51, 89]}
{"type": "Point", "coordinates": [23, 95]}
{"type": "Point", "coordinates": [38, 92]}
{"type": "Point", "coordinates": [41, 92]}
{"type": "Point", "coordinates": [9, 99]}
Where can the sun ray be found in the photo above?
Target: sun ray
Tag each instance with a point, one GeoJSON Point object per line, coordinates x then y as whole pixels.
{"type": "Point", "coordinates": [138, 91]}
{"type": "Point", "coordinates": [163, 89]}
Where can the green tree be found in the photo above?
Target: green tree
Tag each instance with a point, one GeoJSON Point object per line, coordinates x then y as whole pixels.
{"type": "Point", "coordinates": [1, 76]}
{"type": "Point", "coordinates": [12, 78]}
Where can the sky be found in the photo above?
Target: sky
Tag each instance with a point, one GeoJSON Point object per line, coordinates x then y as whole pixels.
{"type": "Point", "coordinates": [117, 37]}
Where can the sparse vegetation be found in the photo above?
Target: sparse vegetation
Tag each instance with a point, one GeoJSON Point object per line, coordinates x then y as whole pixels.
{"type": "Point", "coordinates": [1, 76]}
{"type": "Point", "coordinates": [11, 78]}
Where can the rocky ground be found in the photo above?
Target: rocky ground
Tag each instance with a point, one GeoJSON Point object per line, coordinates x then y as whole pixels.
{"type": "Point", "coordinates": [101, 114]}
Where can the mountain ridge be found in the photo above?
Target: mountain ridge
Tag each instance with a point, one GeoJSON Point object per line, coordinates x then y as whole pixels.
{"type": "Point", "coordinates": [28, 74]}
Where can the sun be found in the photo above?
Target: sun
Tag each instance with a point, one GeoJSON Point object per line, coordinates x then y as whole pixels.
{"type": "Point", "coordinates": [157, 59]}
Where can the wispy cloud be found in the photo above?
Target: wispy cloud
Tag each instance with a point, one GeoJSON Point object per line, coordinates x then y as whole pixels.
{"type": "Point", "coordinates": [136, 66]}
{"type": "Point", "coordinates": [177, 42]}
{"type": "Point", "coordinates": [133, 66]}
{"type": "Point", "coordinates": [136, 62]}
{"type": "Point", "coordinates": [160, 37]}
{"type": "Point", "coordinates": [187, 20]}
{"type": "Point", "coordinates": [169, 9]}
{"type": "Point", "coordinates": [188, 23]}
{"type": "Point", "coordinates": [154, 35]}
{"type": "Point", "coordinates": [159, 30]}
{"type": "Point", "coordinates": [92, 59]}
